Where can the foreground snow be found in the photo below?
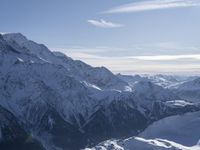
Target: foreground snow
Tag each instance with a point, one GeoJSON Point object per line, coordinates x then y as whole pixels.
{"type": "Point", "coordinates": [138, 143]}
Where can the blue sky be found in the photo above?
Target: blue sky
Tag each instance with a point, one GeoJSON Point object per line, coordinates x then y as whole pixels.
{"type": "Point", "coordinates": [127, 36]}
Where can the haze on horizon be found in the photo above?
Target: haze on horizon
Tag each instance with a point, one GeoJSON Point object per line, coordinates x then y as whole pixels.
{"type": "Point", "coordinates": [127, 36]}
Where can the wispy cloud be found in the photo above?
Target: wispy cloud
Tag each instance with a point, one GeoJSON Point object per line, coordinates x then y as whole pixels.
{"type": "Point", "coordinates": [166, 57]}
{"type": "Point", "coordinates": [165, 48]}
{"type": "Point", "coordinates": [178, 64]}
{"type": "Point", "coordinates": [153, 5]}
{"type": "Point", "coordinates": [104, 24]}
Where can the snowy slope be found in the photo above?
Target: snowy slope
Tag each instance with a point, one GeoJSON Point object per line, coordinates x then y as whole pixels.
{"type": "Point", "coordinates": [147, 93]}
{"type": "Point", "coordinates": [189, 90]}
{"type": "Point", "coordinates": [183, 129]}
{"type": "Point", "coordinates": [165, 80]}
{"type": "Point", "coordinates": [177, 132]}
{"type": "Point", "coordinates": [138, 143]}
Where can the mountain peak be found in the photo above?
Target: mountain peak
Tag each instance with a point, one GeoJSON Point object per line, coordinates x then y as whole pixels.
{"type": "Point", "coordinates": [18, 37]}
{"type": "Point", "coordinates": [146, 84]}
{"type": "Point", "coordinates": [17, 34]}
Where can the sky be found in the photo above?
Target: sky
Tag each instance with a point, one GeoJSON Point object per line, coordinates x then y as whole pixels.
{"type": "Point", "coordinates": [126, 36]}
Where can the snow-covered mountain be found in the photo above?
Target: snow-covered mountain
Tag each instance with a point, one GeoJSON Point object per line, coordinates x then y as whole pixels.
{"type": "Point", "coordinates": [66, 104]}
{"type": "Point", "coordinates": [179, 132]}
{"type": "Point", "coordinates": [189, 90]}
{"type": "Point", "coordinates": [166, 81]}
{"type": "Point", "coordinates": [99, 76]}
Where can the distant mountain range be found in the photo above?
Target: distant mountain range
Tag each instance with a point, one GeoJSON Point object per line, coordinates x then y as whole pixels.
{"type": "Point", "coordinates": [51, 102]}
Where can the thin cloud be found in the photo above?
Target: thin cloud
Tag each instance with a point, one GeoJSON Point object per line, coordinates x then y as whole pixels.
{"type": "Point", "coordinates": [143, 64]}
{"type": "Point", "coordinates": [104, 24]}
{"type": "Point", "coordinates": [99, 53]}
{"type": "Point", "coordinates": [153, 5]}
{"type": "Point", "coordinates": [166, 57]}
{"type": "Point", "coordinates": [177, 64]}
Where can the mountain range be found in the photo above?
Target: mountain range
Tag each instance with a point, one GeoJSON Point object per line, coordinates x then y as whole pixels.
{"type": "Point", "coordinates": [51, 102]}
